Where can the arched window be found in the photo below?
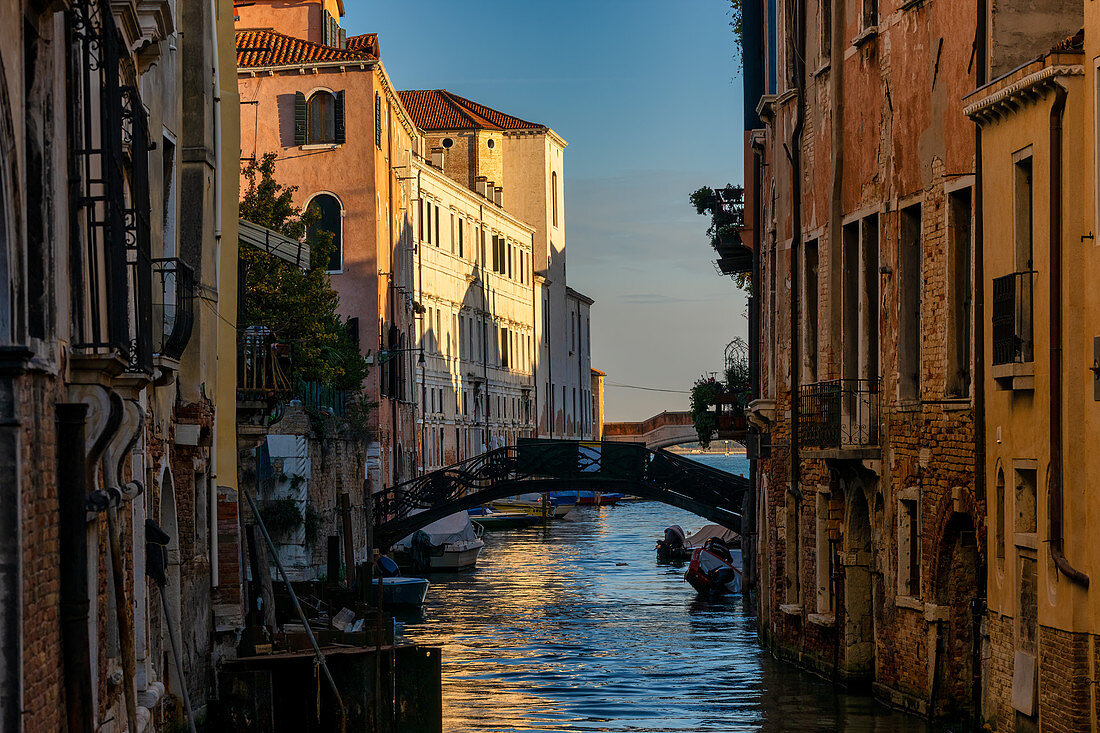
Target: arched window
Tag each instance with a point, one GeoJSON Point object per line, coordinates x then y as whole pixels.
{"type": "Point", "coordinates": [329, 219]}
{"type": "Point", "coordinates": [321, 118]}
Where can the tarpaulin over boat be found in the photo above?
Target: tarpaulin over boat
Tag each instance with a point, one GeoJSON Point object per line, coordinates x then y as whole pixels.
{"type": "Point", "coordinates": [447, 531]}
{"type": "Point", "coordinates": [727, 536]}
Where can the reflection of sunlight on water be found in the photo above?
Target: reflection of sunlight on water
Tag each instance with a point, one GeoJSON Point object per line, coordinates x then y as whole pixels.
{"type": "Point", "coordinates": [551, 634]}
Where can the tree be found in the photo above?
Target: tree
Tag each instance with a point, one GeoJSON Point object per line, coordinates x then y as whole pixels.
{"type": "Point", "coordinates": [727, 215]}
{"type": "Point", "coordinates": [737, 24]}
{"type": "Point", "coordinates": [298, 305]}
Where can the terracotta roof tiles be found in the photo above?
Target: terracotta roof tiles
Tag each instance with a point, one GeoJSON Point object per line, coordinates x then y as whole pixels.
{"type": "Point", "coordinates": [263, 48]}
{"type": "Point", "coordinates": [438, 109]}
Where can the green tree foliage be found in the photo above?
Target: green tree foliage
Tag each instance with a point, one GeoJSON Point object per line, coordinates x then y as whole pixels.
{"type": "Point", "coordinates": [704, 393]}
{"type": "Point", "coordinates": [727, 215]}
{"type": "Point", "coordinates": [298, 305]}
{"type": "Point", "coordinates": [737, 24]}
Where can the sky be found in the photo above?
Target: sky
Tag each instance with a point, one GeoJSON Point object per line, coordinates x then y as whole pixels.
{"type": "Point", "coordinates": [647, 93]}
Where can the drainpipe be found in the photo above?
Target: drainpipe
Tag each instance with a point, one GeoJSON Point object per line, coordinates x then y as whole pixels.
{"type": "Point", "coordinates": [978, 349]}
{"type": "Point", "coordinates": [1057, 540]}
{"type": "Point", "coordinates": [71, 475]}
{"type": "Point", "coordinates": [794, 154]}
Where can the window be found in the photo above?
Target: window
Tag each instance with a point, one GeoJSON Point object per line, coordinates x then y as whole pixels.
{"type": "Point", "coordinates": [448, 142]}
{"type": "Point", "coordinates": [826, 26]}
{"type": "Point", "coordinates": [1000, 549]}
{"type": "Point", "coordinates": [823, 556]}
{"type": "Point", "coordinates": [908, 548]}
{"type": "Point", "coordinates": [959, 292]}
{"type": "Point", "coordinates": [461, 227]}
{"type": "Point", "coordinates": [378, 120]}
{"type": "Point", "coordinates": [790, 561]}
{"type": "Point", "coordinates": [1026, 491]}
{"type": "Point", "coordinates": [809, 311]}
{"type": "Point", "coordinates": [330, 219]}
{"type": "Point", "coordinates": [437, 226]}
{"type": "Point", "coordinates": [452, 233]}
{"type": "Point", "coordinates": [909, 303]}
{"type": "Point", "coordinates": [1024, 241]}
{"type": "Point", "coordinates": [321, 118]}
{"type": "Point", "coordinates": [870, 14]}
{"type": "Point", "coordinates": [554, 195]}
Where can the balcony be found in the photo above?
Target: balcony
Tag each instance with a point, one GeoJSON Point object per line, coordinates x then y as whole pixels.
{"type": "Point", "coordinates": [1013, 345]}
{"type": "Point", "coordinates": [842, 417]}
{"type": "Point", "coordinates": [174, 313]}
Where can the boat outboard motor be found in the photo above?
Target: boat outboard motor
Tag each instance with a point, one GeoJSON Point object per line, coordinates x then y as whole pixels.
{"type": "Point", "coordinates": [673, 542]}
{"type": "Point", "coordinates": [719, 549]}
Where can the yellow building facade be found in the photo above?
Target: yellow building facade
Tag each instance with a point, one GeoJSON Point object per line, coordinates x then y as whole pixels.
{"type": "Point", "coordinates": [1042, 392]}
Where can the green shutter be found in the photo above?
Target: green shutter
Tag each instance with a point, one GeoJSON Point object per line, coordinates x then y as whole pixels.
{"type": "Point", "coordinates": [340, 135]}
{"type": "Point", "coordinates": [343, 38]}
{"type": "Point", "coordinates": [378, 119]}
{"type": "Point", "coordinates": [299, 118]}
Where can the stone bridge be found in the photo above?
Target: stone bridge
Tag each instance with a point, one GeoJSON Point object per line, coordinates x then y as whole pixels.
{"type": "Point", "coordinates": [659, 431]}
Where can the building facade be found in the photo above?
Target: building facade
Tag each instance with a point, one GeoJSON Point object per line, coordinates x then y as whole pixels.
{"type": "Point", "coordinates": [324, 106]}
{"type": "Point", "coordinates": [882, 258]}
{"type": "Point", "coordinates": [1038, 133]}
{"type": "Point", "coordinates": [117, 439]}
{"type": "Point", "coordinates": [475, 283]}
{"type": "Point", "coordinates": [860, 207]}
{"type": "Point", "coordinates": [519, 165]}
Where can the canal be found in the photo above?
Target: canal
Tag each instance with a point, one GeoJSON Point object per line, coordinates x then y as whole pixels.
{"type": "Point", "coordinates": [576, 628]}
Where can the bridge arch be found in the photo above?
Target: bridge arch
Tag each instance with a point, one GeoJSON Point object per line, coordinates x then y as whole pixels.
{"type": "Point", "coordinates": [558, 465]}
{"type": "Point", "coordinates": [671, 428]}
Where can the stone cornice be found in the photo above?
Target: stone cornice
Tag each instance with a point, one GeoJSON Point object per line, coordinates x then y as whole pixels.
{"type": "Point", "coordinates": [1008, 99]}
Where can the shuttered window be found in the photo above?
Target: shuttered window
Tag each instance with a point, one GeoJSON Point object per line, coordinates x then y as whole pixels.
{"type": "Point", "coordinates": [378, 119]}
{"type": "Point", "coordinates": [319, 120]}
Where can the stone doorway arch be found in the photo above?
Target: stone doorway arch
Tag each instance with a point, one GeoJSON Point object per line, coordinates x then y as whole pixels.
{"type": "Point", "coordinates": [859, 617]}
{"type": "Point", "coordinates": [959, 580]}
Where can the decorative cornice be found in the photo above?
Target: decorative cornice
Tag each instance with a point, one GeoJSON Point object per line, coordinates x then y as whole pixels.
{"type": "Point", "coordinates": [1008, 99]}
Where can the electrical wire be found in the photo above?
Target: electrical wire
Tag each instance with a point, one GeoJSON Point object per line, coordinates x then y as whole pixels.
{"type": "Point", "coordinates": [647, 389]}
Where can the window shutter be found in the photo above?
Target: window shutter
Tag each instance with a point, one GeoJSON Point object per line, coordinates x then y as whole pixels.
{"type": "Point", "coordinates": [343, 38]}
{"type": "Point", "coordinates": [378, 119]}
{"type": "Point", "coordinates": [299, 118]}
{"type": "Point", "coordinates": [339, 108]}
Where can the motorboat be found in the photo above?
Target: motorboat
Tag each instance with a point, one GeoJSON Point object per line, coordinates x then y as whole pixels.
{"type": "Point", "coordinates": [715, 568]}
{"type": "Point", "coordinates": [491, 520]}
{"type": "Point", "coordinates": [533, 504]}
{"type": "Point", "coordinates": [449, 544]}
{"type": "Point", "coordinates": [396, 589]}
{"type": "Point", "coordinates": [587, 498]}
{"type": "Point", "coordinates": [676, 547]}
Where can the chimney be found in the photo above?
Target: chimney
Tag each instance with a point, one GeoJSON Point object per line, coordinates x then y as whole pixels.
{"type": "Point", "coordinates": [481, 185]}
{"type": "Point", "coordinates": [498, 195]}
{"type": "Point", "coordinates": [438, 156]}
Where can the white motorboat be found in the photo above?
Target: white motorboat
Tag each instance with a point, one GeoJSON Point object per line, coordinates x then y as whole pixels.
{"type": "Point", "coordinates": [448, 544]}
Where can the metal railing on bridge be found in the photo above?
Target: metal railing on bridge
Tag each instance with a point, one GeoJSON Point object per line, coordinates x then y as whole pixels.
{"type": "Point", "coordinates": [557, 465]}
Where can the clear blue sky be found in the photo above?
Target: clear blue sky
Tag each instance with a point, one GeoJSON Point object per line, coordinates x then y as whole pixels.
{"type": "Point", "coordinates": [648, 95]}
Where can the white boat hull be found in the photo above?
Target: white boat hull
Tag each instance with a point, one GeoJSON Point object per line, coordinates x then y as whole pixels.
{"type": "Point", "coordinates": [457, 558]}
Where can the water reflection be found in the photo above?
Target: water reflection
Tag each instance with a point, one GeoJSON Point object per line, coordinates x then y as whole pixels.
{"type": "Point", "coordinates": [575, 628]}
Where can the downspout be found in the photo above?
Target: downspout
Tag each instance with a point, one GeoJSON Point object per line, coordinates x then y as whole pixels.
{"type": "Point", "coordinates": [1054, 494]}
{"type": "Point", "coordinates": [73, 551]}
{"type": "Point", "coordinates": [794, 154]}
{"type": "Point", "coordinates": [212, 502]}
{"type": "Point", "coordinates": [978, 349]}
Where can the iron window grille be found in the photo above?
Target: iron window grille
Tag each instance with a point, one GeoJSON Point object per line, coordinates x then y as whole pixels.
{"type": "Point", "coordinates": [175, 313]}
{"type": "Point", "coordinates": [1012, 318]}
{"type": "Point", "coordinates": [840, 414]}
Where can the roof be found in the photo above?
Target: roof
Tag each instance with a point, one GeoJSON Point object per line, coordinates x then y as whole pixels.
{"type": "Point", "coordinates": [578, 296]}
{"type": "Point", "coordinates": [260, 48]}
{"type": "Point", "coordinates": [438, 109]}
{"type": "Point", "coordinates": [1072, 44]}
{"type": "Point", "coordinates": [597, 372]}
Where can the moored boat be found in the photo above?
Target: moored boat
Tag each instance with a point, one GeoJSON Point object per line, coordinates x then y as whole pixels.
{"type": "Point", "coordinates": [715, 568]}
{"type": "Point", "coordinates": [451, 543]}
{"type": "Point", "coordinates": [677, 547]}
{"type": "Point", "coordinates": [533, 505]}
{"type": "Point", "coordinates": [396, 589]}
{"type": "Point", "coordinates": [491, 520]}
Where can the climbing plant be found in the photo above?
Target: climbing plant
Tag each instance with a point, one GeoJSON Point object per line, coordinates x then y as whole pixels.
{"type": "Point", "coordinates": [704, 393]}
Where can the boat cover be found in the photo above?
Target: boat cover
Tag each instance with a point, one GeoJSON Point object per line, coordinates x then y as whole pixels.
{"type": "Point", "coordinates": [447, 531]}
{"type": "Point", "coordinates": [712, 530]}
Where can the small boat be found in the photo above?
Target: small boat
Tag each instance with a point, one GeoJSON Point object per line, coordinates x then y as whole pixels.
{"type": "Point", "coordinates": [715, 569]}
{"type": "Point", "coordinates": [398, 590]}
{"type": "Point", "coordinates": [588, 498]}
{"type": "Point", "coordinates": [451, 543]}
{"type": "Point", "coordinates": [676, 547]}
{"type": "Point", "coordinates": [532, 504]}
{"type": "Point", "coordinates": [493, 521]}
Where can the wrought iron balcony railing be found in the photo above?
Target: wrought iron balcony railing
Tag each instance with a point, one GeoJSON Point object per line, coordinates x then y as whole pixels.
{"type": "Point", "coordinates": [1012, 318]}
{"type": "Point", "coordinates": [174, 313]}
{"type": "Point", "coordinates": [260, 374]}
{"type": "Point", "coordinates": [840, 414]}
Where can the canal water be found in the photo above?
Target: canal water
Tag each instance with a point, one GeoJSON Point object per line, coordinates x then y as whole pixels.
{"type": "Point", "coordinates": [576, 628]}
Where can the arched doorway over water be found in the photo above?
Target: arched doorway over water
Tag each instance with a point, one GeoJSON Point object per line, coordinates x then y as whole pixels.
{"type": "Point", "coordinates": [859, 619]}
{"type": "Point", "coordinates": [959, 583]}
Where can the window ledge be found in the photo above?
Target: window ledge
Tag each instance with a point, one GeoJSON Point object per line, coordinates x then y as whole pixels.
{"type": "Point", "coordinates": [821, 619]}
{"type": "Point", "coordinates": [911, 4]}
{"type": "Point", "coordinates": [823, 69]}
{"type": "Point", "coordinates": [791, 609]}
{"type": "Point", "coordinates": [1017, 375]}
{"type": "Point", "coordinates": [909, 602]}
{"type": "Point", "coordinates": [865, 35]}
{"type": "Point", "coordinates": [319, 146]}
{"type": "Point", "coordinates": [955, 403]}
{"type": "Point", "coordinates": [907, 404]}
{"type": "Point", "coordinates": [1026, 539]}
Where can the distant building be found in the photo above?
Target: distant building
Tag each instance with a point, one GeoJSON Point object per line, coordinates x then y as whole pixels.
{"type": "Point", "coordinates": [519, 165]}
{"type": "Point", "coordinates": [596, 391]}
